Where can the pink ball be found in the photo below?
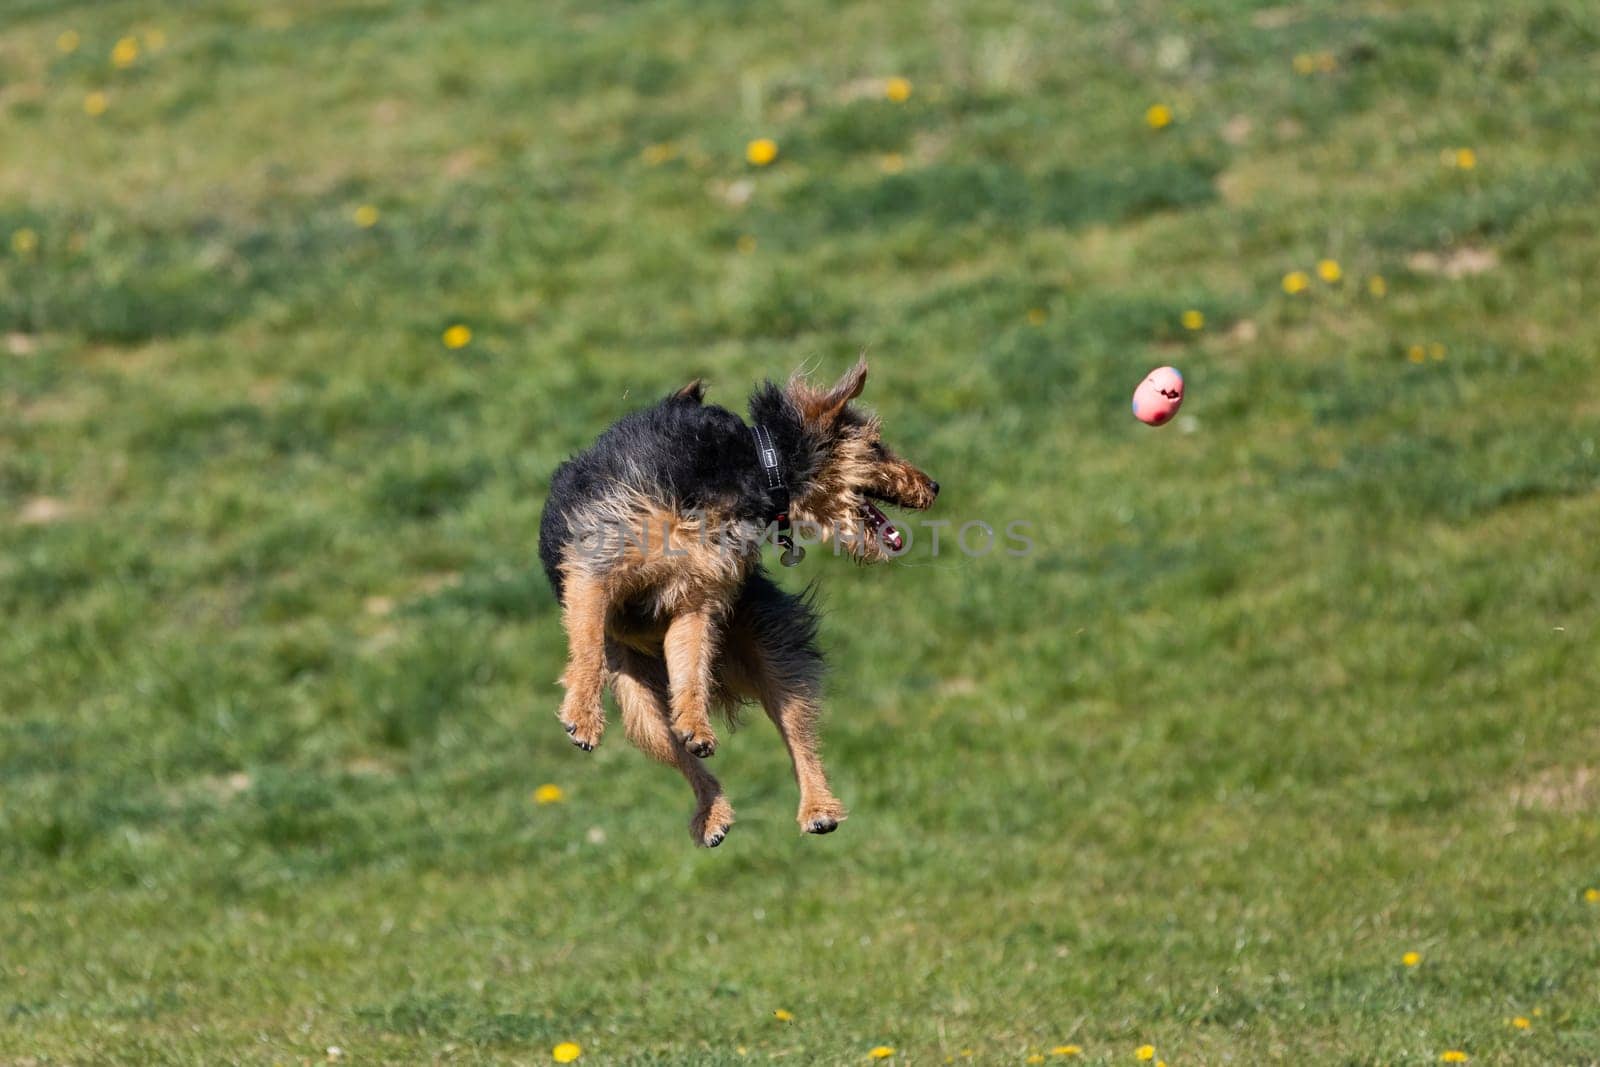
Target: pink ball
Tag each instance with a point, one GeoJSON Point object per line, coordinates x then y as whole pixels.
{"type": "Point", "coordinates": [1159, 396]}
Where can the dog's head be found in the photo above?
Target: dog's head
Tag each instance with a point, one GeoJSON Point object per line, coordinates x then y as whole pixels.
{"type": "Point", "coordinates": [847, 469]}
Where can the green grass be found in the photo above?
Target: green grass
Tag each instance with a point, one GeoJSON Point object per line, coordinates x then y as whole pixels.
{"type": "Point", "coordinates": [1290, 688]}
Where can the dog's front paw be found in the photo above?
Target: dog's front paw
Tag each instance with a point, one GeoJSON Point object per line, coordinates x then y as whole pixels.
{"type": "Point", "coordinates": [822, 817]}
{"type": "Point", "coordinates": [584, 728]}
{"type": "Point", "coordinates": [696, 736]}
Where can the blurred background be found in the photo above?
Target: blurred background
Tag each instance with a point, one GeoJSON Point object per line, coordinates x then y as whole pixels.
{"type": "Point", "coordinates": [1281, 747]}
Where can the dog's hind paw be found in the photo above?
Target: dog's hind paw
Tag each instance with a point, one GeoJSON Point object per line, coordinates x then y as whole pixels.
{"type": "Point", "coordinates": [709, 828]}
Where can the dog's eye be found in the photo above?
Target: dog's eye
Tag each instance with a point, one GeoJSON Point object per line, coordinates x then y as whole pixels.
{"type": "Point", "coordinates": [878, 451]}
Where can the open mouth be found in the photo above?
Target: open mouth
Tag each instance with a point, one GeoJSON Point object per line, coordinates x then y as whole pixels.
{"type": "Point", "coordinates": [880, 528]}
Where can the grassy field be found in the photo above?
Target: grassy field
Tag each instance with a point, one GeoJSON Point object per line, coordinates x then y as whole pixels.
{"type": "Point", "coordinates": [1290, 690]}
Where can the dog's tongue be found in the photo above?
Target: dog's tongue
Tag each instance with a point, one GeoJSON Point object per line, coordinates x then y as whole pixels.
{"type": "Point", "coordinates": [882, 528]}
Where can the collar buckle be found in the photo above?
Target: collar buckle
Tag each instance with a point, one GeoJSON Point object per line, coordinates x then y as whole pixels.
{"type": "Point", "coordinates": [767, 455]}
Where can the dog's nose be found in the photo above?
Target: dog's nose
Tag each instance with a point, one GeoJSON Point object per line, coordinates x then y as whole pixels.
{"type": "Point", "coordinates": [933, 487]}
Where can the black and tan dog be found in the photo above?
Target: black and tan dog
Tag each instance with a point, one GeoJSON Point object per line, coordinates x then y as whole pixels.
{"type": "Point", "coordinates": [651, 539]}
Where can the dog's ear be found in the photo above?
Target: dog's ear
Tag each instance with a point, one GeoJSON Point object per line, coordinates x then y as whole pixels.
{"type": "Point", "coordinates": [694, 391]}
{"type": "Point", "coordinates": [826, 407]}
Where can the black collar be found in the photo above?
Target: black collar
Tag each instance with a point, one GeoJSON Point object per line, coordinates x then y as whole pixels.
{"type": "Point", "coordinates": [778, 492]}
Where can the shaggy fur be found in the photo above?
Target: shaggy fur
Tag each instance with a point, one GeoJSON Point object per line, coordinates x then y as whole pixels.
{"type": "Point", "coordinates": [651, 540]}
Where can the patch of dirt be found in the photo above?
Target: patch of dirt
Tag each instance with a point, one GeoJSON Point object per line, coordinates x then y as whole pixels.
{"type": "Point", "coordinates": [959, 686]}
{"type": "Point", "coordinates": [42, 511]}
{"type": "Point", "coordinates": [1275, 18]}
{"type": "Point", "coordinates": [429, 584]}
{"type": "Point", "coordinates": [1459, 263]}
{"type": "Point", "coordinates": [790, 107]}
{"type": "Point", "coordinates": [1568, 790]}
{"type": "Point", "coordinates": [368, 767]}
{"type": "Point", "coordinates": [861, 89]}
{"type": "Point", "coordinates": [264, 391]}
{"type": "Point", "coordinates": [929, 146]}
{"type": "Point", "coordinates": [462, 163]}
{"type": "Point", "coordinates": [735, 193]}
{"type": "Point", "coordinates": [226, 786]}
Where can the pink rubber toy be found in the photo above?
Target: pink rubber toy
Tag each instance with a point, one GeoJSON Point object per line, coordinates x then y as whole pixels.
{"type": "Point", "coordinates": [1159, 396]}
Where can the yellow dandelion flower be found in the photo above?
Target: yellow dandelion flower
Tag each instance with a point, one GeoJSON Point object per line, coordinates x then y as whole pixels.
{"type": "Point", "coordinates": [1377, 286]}
{"type": "Point", "coordinates": [1592, 895]}
{"type": "Point", "coordinates": [1193, 319]}
{"type": "Point", "coordinates": [1145, 1052]}
{"type": "Point", "coordinates": [897, 89]}
{"type": "Point", "coordinates": [365, 216]}
{"type": "Point", "coordinates": [741, 1050]}
{"type": "Point", "coordinates": [1305, 63]}
{"type": "Point", "coordinates": [68, 42]}
{"type": "Point", "coordinates": [1466, 158]}
{"type": "Point", "coordinates": [457, 336]}
{"type": "Point", "coordinates": [24, 242]}
{"type": "Point", "coordinates": [548, 793]}
{"type": "Point", "coordinates": [1411, 959]}
{"type": "Point", "coordinates": [1067, 1050]}
{"type": "Point", "coordinates": [745, 244]}
{"type": "Point", "coordinates": [892, 163]}
{"type": "Point", "coordinates": [155, 40]}
{"type": "Point", "coordinates": [1158, 116]}
{"type": "Point", "coordinates": [1037, 316]}
{"type": "Point", "coordinates": [1453, 1055]}
{"type": "Point", "coordinates": [657, 154]}
{"type": "Point", "coordinates": [96, 103]}
{"type": "Point", "coordinates": [1416, 354]}
{"type": "Point", "coordinates": [1522, 1022]}
{"type": "Point", "coordinates": [1537, 1012]}
{"type": "Point", "coordinates": [882, 1052]}
{"type": "Point", "coordinates": [566, 1052]}
{"type": "Point", "coordinates": [1436, 351]}
{"type": "Point", "coordinates": [124, 52]}
{"type": "Point", "coordinates": [1035, 1058]}
{"type": "Point", "coordinates": [783, 1016]}
{"type": "Point", "coordinates": [1296, 282]}
{"type": "Point", "coordinates": [1329, 270]}
{"type": "Point", "coordinates": [761, 151]}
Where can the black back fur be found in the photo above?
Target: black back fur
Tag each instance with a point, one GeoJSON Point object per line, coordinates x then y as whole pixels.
{"type": "Point", "coordinates": [680, 452]}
